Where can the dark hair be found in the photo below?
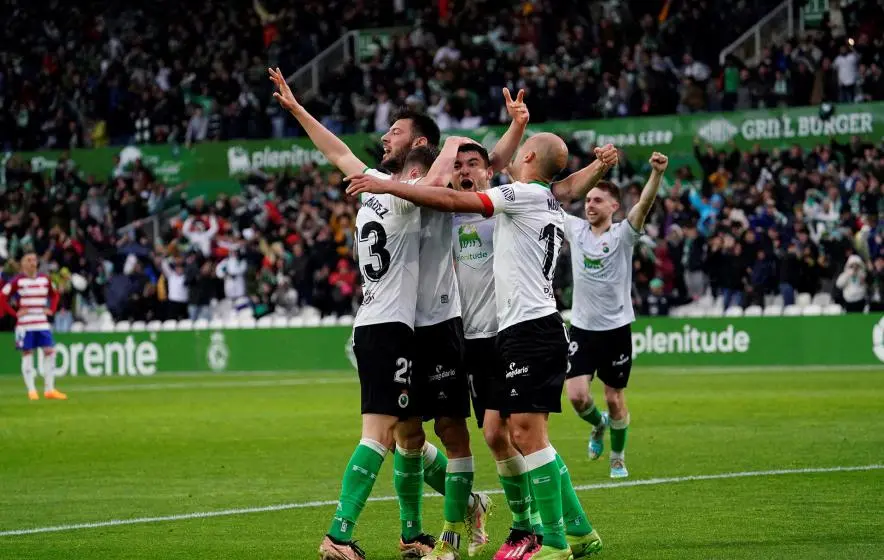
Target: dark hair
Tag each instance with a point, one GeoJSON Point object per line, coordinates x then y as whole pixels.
{"type": "Point", "coordinates": [609, 188]}
{"type": "Point", "coordinates": [421, 124]}
{"type": "Point", "coordinates": [475, 148]}
{"type": "Point", "coordinates": [422, 156]}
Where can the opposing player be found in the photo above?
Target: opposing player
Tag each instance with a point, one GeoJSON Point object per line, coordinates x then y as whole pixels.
{"type": "Point", "coordinates": [532, 340]}
{"type": "Point", "coordinates": [37, 300]}
{"type": "Point", "coordinates": [601, 335]}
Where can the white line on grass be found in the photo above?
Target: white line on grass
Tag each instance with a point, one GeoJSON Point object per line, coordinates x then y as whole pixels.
{"type": "Point", "coordinates": [305, 505]}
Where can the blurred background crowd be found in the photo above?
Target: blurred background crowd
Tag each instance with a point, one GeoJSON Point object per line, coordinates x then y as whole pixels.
{"type": "Point", "coordinates": [752, 225]}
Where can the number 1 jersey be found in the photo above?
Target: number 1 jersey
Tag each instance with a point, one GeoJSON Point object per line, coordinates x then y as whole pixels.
{"type": "Point", "coordinates": [387, 244]}
{"type": "Point", "coordinates": [527, 240]}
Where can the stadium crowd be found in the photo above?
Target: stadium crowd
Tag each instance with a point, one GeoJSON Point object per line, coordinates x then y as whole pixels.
{"type": "Point", "coordinates": [162, 73]}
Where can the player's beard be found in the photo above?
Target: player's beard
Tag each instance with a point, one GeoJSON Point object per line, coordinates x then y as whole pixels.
{"type": "Point", "coordinates": [395, 162]}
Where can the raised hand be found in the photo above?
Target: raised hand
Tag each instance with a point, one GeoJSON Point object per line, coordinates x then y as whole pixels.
{"type": "Point", "coordinates": [284, 96]}
{"type": "Point", "coordinates": [658, 162]}
{"type": "Point", "coordinates": [517, 109]}
{"type": "Point", "coordinates": [607, 154]}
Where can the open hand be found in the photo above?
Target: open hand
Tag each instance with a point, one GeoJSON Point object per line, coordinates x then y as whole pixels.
{"type": "Point", "coordinates": [607, 154]}
{"type": "Point", "coordinates": [284, 96]}
{"type": "Point", "coordinates": [361, 183]}
{"type": "Point", "coordinates": [658, 162]}
{"type": "Point", "coordinates": [517, 109]}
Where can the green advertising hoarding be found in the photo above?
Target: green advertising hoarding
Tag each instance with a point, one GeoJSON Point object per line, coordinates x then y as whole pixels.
{"type": "Point", "coordinates": [780, 341]}
{"type": "Point", "coordinates": [211, 167]}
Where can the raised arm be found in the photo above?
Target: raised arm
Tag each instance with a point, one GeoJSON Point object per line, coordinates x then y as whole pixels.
{"type": "Point", "coordinates": [330, 145]}
{"type": "Point", "coordinates": [7, 292]}
{"type": "Point", "coordinates": [577, 184]}
{"type": "Point", "coordinates": [506, 147]}
{"type": "Point", "coordinates": [442, 169]}
{"type": "Point", "coordinates": [429, 196]}
{"type": "Point", "coordinates": [639, 212]}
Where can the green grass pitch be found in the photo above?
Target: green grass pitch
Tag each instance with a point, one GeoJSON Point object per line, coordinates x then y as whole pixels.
{"type": "Point", "coordinates": [131, 448]}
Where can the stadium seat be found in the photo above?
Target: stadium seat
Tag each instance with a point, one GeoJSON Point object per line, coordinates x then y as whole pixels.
{"type": "Point", "coordinates": [812, 310]}
{"type": "Point", "coordinates": [822, 299]}
{"type": "Point", "coordinates": [706, 301]}
{"type": "Point", "coordinates": [678, 311]}
{"type": "Point", "coordinates": [329, 321]}
{"type": "Point", "coordinates": [139, 326]}
{"type": "Point", "coordinates": [185, 325]}
{"type": "Point", "coordinates": [123, 326]}
{"type": "Point", "coordinates": [170, 325]}
{"type": "Point", "coordinates": [773, 311]}
{"type": "Point", "coordinates": [715, 312]}
{"type": "Point", "coordinates": [280, 321]}
{"type": "Point", "coordinates": [296, 322]}
{"type": "Point", "coordinates": [833, 309]}
{"type": "Point", "coordinates": [803, 300]}
{"type": "Point", "coordinates": [734, 311]}
{"type": "Point", "coordinates": [777, 300]}
{"type": "Point", "coordinates": [154, 326]}
{"type": "Point", "coordinates": [245, 313]}
{"type": "Point", "coordinates": [753, 311]}
{"type": "Point", "coordinates": [265, 322]}
{"type": "Point", "coordinates": [247, 322]}
{"type": "Point", "coordinates": [200, 324]}
{"type": "Point", "coordinates": [78, 327]}
{"type": "Point", "coordinates": [791, 311]}
{"type": "Point", "coordinates": [309, 312]}
{"type": "Point", "coordinates": [231, 322]}
{"type": "Point", "coordinates": [312, 321]}
{"type": "Point", "coordinates": [216, 323]}
{"type": "Point", "coordinates": [696, 312]}
{"type": "Point", "coordinates": [345, 320]}
{"type": "Point", "coordinates": [92, 327]}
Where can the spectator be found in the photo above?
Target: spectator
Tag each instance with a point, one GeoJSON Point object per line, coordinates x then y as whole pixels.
{"type": "Point", "coordinates": [178, 296]}
{"type": "Point", "coordinates": [846, 64]}
{"type": "Point", "coordinates": [343, 283]}
{"type": "Point", "coordinates": [197, 127]}
{"type": "Point", "coordinates": [790, 268]}
{"type": "Point", "coordinates": [852, 283]}
{"type": "Point", "coordinates": [761, 275]}
{"type": "Point", "coordinates": [655, 302]}
{"type": "Point", "coordinates": [200, 236]}
{"type": "Point", "coordinates": [232, 270]}
{"type": "Point", "coordinates": [200, 289]}
{"type": "Point", "coordinates": [876, 285]}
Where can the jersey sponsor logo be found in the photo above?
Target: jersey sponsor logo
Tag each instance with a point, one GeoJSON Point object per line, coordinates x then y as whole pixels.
{"type": "Point", "coordinates": [690, 340]}
{"type": "Point", "coordinates": [468, 236]}
{"type": "Point", "coordinates": [125, 357]}
{"type": "Point", "coordinates": [592, 264]}
{"type": "Point", "coordinates": [376, 205]}
{"type": "Point", "coordinates": [623, 359]}
{"type": "Point", "coordinates": [441, 373]}
{"type": "Point", "coordinates": [514, 371]}
{"type": "Point", "coordinates": [508, 193]}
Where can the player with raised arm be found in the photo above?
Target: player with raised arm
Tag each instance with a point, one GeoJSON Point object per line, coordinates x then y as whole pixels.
{"type": "Point", "coordinates": [531, 340]}
{"type": "Point", "coordinates": [602, 315]}
{"type": "Point", "coordinates": [37, 300]}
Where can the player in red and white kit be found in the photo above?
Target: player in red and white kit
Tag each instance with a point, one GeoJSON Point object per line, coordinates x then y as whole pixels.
{"type": "Point", "coordinates": [36, 299]}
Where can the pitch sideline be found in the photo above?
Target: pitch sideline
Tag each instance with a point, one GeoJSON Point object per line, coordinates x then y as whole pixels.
{"type": "Point", "coordinates": [305, 505]}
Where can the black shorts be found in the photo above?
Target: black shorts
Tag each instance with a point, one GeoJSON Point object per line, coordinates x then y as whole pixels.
{"type": "Point", "coordinates": [535, 355]}
{"type": "Point", "coordinates": [440, 379]}
{"type": "Point", "coordinates": [485, 374]}
{"type": "Point", "coordinates": [608, 353]}
{"type": "Point", "coordinates": [384, 359]}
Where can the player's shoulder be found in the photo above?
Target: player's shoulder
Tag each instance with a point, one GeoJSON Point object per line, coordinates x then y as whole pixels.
{"type": "Point", "coordinates": [376, 173]}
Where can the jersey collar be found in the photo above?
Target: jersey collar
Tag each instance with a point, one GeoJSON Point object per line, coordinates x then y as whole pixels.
{"type": "Point", "coordinates": [540, 184]}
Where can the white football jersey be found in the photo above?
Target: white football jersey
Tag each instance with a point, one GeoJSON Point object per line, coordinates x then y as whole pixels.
{"type": "Point", "coordinates": [473, 240]}
{"type": "Point", "coordinates": [527, 241]}
{"type": "Point", "coordinates": [387, 244]}
{"type": "Point", "coordinates": [438, 299]}
{"type": "Point", "coordinates": [602, 269]}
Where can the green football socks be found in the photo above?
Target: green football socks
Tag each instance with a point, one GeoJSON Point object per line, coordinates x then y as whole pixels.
{"type": "Point", "coordinates": [362, 471]}
{"type": "Point", "coordinates": [513, 475]}
{"type": "Point", "coordinates": [576, 522]}
{"type": "Point", "coordinates": [458, 487]}
{"type": "Point", "coordinates": [618, 435]}
{"type": "Point", "coordinates": [435, 467]}
{"type": "Point", "coordinates": [408, 480]}
{"type": "Point", "coordinates": [546, 481]}
{"type": "Point", "coordinates": [591, 415]}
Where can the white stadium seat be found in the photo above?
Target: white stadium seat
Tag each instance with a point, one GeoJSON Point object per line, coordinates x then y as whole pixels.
{"type": "Point", "coordinates": [77, 327]}
{"type": "Point", "coordinates": [247, 322]}
{"type": "Point", "coordinates": [139, 326]}
{"type": "Point", "coordinates": [312, 322]}
{"type": "Point", "coordinates": [803, 300]}
{"type": "Point", "coordinates": [280, 321]}
{"type": "Point", "coordinates": [773, 311]}
{"type": "Point", "coordinates": [309, 312]}
{"type": "Point", "coordinates": [678, 311]}
{"type": "Point", "coordinates": [329, 321]}
{"type": "Point", "coordinates": [265, 322]}
{"type": "Point", "coordinates": [200, 324]}
{"type": "Point", "coordinates": [216, 323]}
{"type": "Point", "coordinates": [734, 311]}
{"type": "Point", "coordinates": [822, 299]}
{"type": "Point", "coordinates": [714, 312]}
{"type": "Point", "coordinates": [753, 311]}
{"type": "Point", "coordinates": [791, 311]}
{"type": "Point", "coordinates": [296, 322]}
{"type": "Point", "coordinates": [185, 325]}
{"type": "Point", "coordinates": [696, 312]}
{"type": "Point", "coordinates": [833, 309]}
{"type": "Point", "coordinates": [245, 313]}
{"type": "Point", "coordinates": [123, 326]}
{"type": "Point", "coordinates": [154, 326]}
{"type": "Point", "coordinates": [812, 310]}
{"type": "Point", "coordinates": [345, 320]}
{"type": "Point", "coordinates": [231, 322]}
{"type": "Point", "coordinates": [170, 325]}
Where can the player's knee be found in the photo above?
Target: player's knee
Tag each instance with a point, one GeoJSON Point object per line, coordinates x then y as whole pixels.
{"type": "Point", "coordinates": [578, 394]}
{"type": "Point", "coordinates": [454, 435]}
{"type": "Point", "coordinates": [410, 434]}
{"type": "Point", "coordinates": [497, 438]}
{"type": "Point", "coordinates": [616, 401]}
{"type": "Point", "coordinates": [525, 436]}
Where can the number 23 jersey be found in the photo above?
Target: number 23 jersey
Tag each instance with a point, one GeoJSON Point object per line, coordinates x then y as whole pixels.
{"type": "Point", "coordinates": [527, 240]}
{"type": "Point", "coordinates": [388, 244]}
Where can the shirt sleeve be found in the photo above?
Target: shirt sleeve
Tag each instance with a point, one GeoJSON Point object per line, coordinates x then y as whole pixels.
{"type": "Point", "coordinates": [401, 206]}
{"type": "Point", "coordinates": [375, 173]}
{"type": "Point", "coordinates": [499, 200]}
{"type": "Point", "coordinates": [571, 225]}
{"type": "Point", "coordinates": [8, 288]}
{"type": "Point", "coordinates": [628, 233]}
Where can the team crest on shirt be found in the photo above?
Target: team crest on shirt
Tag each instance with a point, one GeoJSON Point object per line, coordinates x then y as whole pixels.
{"type": "Point", "coordinates": [403, 400]}
{"type": "Point", "coordinates": [605, 248]}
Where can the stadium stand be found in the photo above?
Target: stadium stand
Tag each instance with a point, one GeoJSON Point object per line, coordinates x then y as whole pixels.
{"type": "Point", "coordinates": [753, 226]}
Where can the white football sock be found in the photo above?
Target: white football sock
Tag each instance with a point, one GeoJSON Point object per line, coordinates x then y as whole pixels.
{"type": "Point", "coordinates": [48, 367]}
{"type": "Point", "coordinates": [28, 372]}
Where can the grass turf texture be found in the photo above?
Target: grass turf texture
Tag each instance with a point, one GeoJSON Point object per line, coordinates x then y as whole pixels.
{"type": "Point", "coordinates": [124, 448]}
